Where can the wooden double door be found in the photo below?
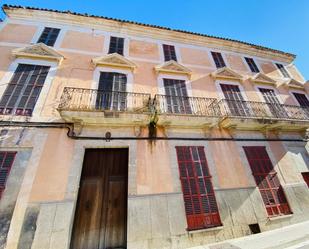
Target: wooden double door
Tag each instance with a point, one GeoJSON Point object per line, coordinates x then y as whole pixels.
{"type": "Point", "coordinates": [101, 212]}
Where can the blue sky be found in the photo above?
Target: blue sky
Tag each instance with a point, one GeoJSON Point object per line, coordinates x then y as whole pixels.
{"type": "Point", "coordinates": [279, 24]}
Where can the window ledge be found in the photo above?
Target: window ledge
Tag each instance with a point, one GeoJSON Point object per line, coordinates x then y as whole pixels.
{"type": "Point", "coordinates": [280, 217]}
{"type": "Point", "coordinates": [205, 230]}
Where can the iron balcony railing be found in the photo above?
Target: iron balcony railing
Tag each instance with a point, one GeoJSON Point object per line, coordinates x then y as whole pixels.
{"type": "Point", "coordinates": [81, 99]}
{"type": "Point", "coordinates": [166, 104]}
{"type": "Point", "coordinates": [251, 109]}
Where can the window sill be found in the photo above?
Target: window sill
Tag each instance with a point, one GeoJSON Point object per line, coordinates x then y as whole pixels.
{"type": "Point", "coordinates": [280, 217]}
{"type": "Point", "coordinates": [205, 229]}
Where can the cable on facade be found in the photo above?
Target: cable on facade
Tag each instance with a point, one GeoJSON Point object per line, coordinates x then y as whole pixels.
{"type": "Point", "coordinates": [71, 134]}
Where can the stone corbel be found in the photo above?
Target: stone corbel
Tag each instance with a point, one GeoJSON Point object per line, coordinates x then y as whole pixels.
{"type": "Point", "coordinates": [78, 126]}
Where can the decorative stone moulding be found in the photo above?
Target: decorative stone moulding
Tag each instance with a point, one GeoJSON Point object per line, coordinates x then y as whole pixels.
{"type": "Point", "coordinates": [261, 78]}
{"type": "Point", "coordinates": [38, 51]}
{"type": "Point", "coordinates": [226, 74]}
{"type": "Point", "coordinates": [173, 67]}
{"type": "Point", "coordinates": [294, 84]}
{"type": "Point", "coordinates": [114, 60]}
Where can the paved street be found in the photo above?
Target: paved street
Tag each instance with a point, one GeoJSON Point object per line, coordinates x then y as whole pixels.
{"type": "Point", "coordinates": [290, 237]}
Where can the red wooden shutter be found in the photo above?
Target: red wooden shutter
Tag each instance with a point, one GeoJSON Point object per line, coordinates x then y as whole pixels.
{"type": "Point", "coordinates": [199, 197]}
{"type": "Point", "coordinates": [267, 181]}
{"type": "Point", "coordinates": [306, 177]}
{"type": "Point", "coordinates": [6, 161]}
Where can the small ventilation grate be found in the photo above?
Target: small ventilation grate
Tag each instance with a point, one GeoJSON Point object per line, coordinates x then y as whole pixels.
{"type": "Point", "coordinates": [255, 228]}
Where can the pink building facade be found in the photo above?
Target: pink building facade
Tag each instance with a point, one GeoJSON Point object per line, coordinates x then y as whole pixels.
{"type": "Point", "coordinates": [116, 134]}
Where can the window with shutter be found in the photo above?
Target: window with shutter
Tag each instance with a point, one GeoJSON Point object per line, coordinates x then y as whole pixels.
{"type": "Point", "coordinates": [306, 177]}
{"type": "Point", "coordinates": [6, 161]}
{"type": "Point", "coordinates": [218, 59]}
{"type": "Point", "coordinates": [199, 197]}
{"type": "Point", "coordinates": [24, 89]}
{"type": "Point", "coordinates": [252, 65]}
{"type": "Point", "coordinates": [267, 181]}
{"type": "Point", "coordinates": [177, 99]}
{"type": "Point", "coordinates": [49, 36]}
{"type": "Point", "coordinates": [112, 91]}
{"type": "Point", "coordinates": [273, 103]}
{"type": "Point", "coordinates": [302, 99]}
{"type": "Point", "coordinates": [283, 70]}
{"type": "Point", "coordinates": [235, 101]}
{"type": "Point", "coordinates": [116, 45]}
{"type": "Point", "coordinates": [169, 52]}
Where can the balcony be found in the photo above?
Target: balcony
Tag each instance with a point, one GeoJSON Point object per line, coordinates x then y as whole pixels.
{"type": "Point", "coordinates": [89, 106]}
{"type": "Point", "coordinates": [104, 107]}
{"type": "Point", "coordinates": [258, 115]}
{"type": "Point", "coordinates": [183, 111]}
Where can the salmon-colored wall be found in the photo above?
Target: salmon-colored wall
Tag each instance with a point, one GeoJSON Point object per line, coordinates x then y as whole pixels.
{"type": "Point", "coordinates": [51, 178]}
{"type": "Point", "coordinates": [153, 173]}
{"type": "Point", "coordinates": [236, 62]}
{"type": "Point", "coordinates": [284, 162]}
{"type": "Point", "coordinates": [17, 33]}
{"type": "Point", "coordinates": [75, 71]}
{"type": "Point", "coordinates": [269, 68]}
{"type": "Point", "coordinates": [286, 96]}
{"type": "Point", "coordinates": [251, 91]}
{"type": "Point", "coordinates": [83, 41]}
{"type": "Point", "coordinates": [294, 73]}
{"type": "Point", "coordinates": [195, 57]}
{"type": "Point", "coordinates": [145, 78]}
{"type": "Point", "coordinates": [230, 169]}
{"type": "Point", "coordinates": [145, 50]}
{"type": "Point", "coordinates": [203, 84]}
{"type": "Point", "coordinates": [6, 59]}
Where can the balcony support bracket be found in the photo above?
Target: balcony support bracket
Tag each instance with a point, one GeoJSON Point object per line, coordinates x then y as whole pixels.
{"type": "Point", "coordinates": [78, 126]}
{"type": "Point", "coordinates": [137, 130]}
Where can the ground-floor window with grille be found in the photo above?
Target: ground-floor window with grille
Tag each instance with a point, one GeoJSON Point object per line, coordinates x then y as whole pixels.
{"type": "Point", "coordinates": [199, 197]}
{"type": "Point", "coordinates": [6, 161]}
{"type": "Point", "coordinates": [267, 181]}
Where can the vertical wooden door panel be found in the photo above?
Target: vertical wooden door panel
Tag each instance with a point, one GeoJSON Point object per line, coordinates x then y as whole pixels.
{"type": "Point", "coordinates": [114, 233]}
{"type": "Point", "coordinates": [101, 212]}
{"type": "Point", "coordinates": [88, 215]}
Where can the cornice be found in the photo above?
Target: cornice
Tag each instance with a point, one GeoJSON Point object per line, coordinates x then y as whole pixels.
{"type": "Point", "coordinates": [130, 28]}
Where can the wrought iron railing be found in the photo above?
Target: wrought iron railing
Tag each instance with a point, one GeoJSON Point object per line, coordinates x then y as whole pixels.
{"type": "Point", "coordinates": [81, 99]}
{"type": "Point", "coordinates": [251, 109]}
{"type": "Point", "coordinates": [186, 105]}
